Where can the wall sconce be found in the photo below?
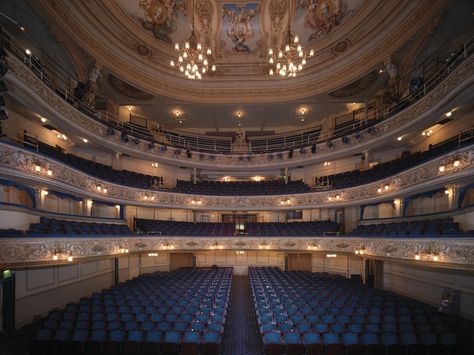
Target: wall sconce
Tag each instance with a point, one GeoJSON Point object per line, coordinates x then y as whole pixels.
{"type": "Point", "coordinates": [386, 187]}
{"type": "Point", "coordinates": [152, 254]}
{"type": "Point", "coordinates": [102, 189]}
{"type": "Point", "coordinates": [216, 245]}
{"type": "Point", "coordinates": [285, 201]}
{"type": "Point", "coordinates": [44, 192]}
{"type": "Point", "coordinates": [264, 245]}
{"type": "Point", "coordinates": [327, 163]}
{"type": "Point", "coordinates": [446, 192]}
{"type": "Point", "coordinates": [338, 197]}
{"type": "Point", "coordinates": [331, 255]}
{"type": "Point", "coordinates": [456, 163]}
{"type": "Point", "coordinates": [427, 255]}
{"type": "Point", "coordinates": [37, 168]}
{"type": "Point", "coordinates": [49, 172]}
{"type": "Point", "coordinates": [155, 165]}
{"type": "Point", "coordinates": [70, 258]}
{"type": "Point", "coordinates": [379, 190]}
{"type": "Point", "coordinates": [442, 168]}
{"type": "Point", "coordinates": [360, 251]}
{"type": "Point", "coordinates": [240, 252]}
{"type": "Point", "coordinates": [329, 198]}
{"type": "Point", "coordinates": [313, 246]}
{"type": "Point", "coordinates": [167, 246]}
{"type": "Point", "coordinates": [196, 202]}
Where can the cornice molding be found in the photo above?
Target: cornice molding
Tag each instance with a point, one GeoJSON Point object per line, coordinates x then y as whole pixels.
{"type": "Point", "coordinates": [455, 253]}
{"type": "Point", "coordinates": [152, 74]}
{"type": "Point", "coordinates": [19, 164]}
{"type": "Point", "coordinates": [35, 93]}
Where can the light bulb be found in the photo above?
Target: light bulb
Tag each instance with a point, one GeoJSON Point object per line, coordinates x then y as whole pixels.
{"type": "Point", "coordinates": [172, 64]}
{"type": "Point", "coordinates": [209, 51]}
{"type": "Point", "coordinates": [186, 45]}
{"type": "Point", "coordinates": [176, 46]}
{"type": "Point", "coordinates": [199, 47]}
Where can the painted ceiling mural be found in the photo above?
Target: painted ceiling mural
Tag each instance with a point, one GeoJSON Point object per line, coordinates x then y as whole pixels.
{"type": "Point", "coordinates": [241, 27]}
{"type": "Point", "coordinates": [164, 19]}
{"type": "Point", "coordinates": [316, 18]}
{"type": "Point", "coordinates": [240, 30]}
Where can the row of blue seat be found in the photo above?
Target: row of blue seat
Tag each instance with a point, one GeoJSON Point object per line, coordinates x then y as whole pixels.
{"type": "Point", "coordinates": [153, 311]}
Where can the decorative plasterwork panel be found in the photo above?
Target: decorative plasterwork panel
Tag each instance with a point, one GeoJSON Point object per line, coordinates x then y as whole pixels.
{"type": "Point", "coordinates": [451, 252]}
{"type": "Point", "coordinates": [36, 92]}
{"type": "Point", "coordinates": [20, 164]}
{"type": "Point", "coordinates": [386, 25]}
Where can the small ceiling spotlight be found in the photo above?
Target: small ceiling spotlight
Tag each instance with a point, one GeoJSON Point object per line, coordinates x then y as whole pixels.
{"type": "Point", "coordinates": [399, 138]}
{"type": "Point", "coordinates": [301, 114]}
{"type": "Point", "coordinates": [178, 115]}
{"type": "Point", "coordinates": [85, 140]}
{"type": "Point", "coordinates": [22, 28]}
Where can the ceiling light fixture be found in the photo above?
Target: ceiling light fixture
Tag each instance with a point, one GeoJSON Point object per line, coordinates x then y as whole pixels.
{"type": "Point", "coordinates": [290, 58]}
{"type": "Point", "coordinates": [193, 61]}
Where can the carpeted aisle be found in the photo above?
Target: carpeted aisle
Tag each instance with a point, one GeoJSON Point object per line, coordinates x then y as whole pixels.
{"type": "Point", "coordinates": [241, 335]}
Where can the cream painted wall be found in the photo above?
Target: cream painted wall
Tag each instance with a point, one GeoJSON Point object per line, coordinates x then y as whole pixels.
{"type": "Point", "coordinates": [341, 264]}
{"type": "Point", "coordinates": [16, 220]}
{"type": "Point", "coordinates": [427, 284]}
{"type": "Point", "coordinates": [41, 289]}
{"type": "Point", "coordinates": [240, 262]}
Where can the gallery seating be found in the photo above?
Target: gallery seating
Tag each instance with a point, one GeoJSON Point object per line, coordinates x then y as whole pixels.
{"type": "Point", "coordinates": [159, 313]}
{"type": "Point", "coordinates": [58, 227]}
{"type": "Point", "coordinates": [102, 171]}
{"type": "Point", "coordinates": [445, 227]}
{"type": "Point", "coordinates": [315, 228]}
{"type": "Point", "coordinates": [314, 313]}
{"type": "Point", "coordinates": [390, 168]}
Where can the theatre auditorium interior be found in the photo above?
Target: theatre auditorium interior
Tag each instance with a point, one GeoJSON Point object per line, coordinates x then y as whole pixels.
{"type": "Point", "coordinates": [220, 177]}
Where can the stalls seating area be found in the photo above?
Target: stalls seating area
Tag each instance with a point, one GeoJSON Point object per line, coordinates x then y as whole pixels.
{"type": "Point", "coordinates": [316, 228]}
{"type": "Point", "coordinates": [231, 188]}
{"type": "Point", "coordinates": [314, 313]}
{"type": "Point", "coordinates": [160, 313]}
{"type": "Point", "coordinates": [102, 171]}
{"type": "Point", "coordinates": [51, 227]}
{"type": "Point", "coordinates": [445, 227]}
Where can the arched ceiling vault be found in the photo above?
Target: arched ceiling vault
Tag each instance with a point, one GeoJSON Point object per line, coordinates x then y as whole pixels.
{"type": "Point", "coordinates": [131, 38]}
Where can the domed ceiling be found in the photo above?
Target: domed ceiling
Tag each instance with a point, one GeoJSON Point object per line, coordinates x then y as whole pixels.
{"type": "Point", "coordinates": [133, 40]}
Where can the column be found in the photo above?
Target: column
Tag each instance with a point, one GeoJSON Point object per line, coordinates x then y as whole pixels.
{"type": "Point", "coordinates": [365, 154]}
{"type": "Point", "coordinates": [87, 205]}
{"type": "Point", "coordinates": [399, 203]}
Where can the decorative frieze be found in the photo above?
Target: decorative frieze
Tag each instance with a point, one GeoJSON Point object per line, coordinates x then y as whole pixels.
{"type": "Point", "coordinates": [36, 90]}
{"type": "Point", "coordinates": [29, 166]}
{"type": "Point", "coordinates": [449, 252]}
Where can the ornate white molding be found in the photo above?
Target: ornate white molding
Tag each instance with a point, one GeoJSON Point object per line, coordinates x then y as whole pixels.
{"type": "Point", "coordinates": [384, 25]}
{"type": "Point", "coordinates": [451, 252]}
{"type": "Point", "coordinates": [35, 92]}
{"type": "Point", "coordinates": [19, 164]}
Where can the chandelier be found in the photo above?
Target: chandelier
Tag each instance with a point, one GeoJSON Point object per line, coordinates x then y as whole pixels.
{"type": "Point", "coordinates": [290, 58]}
{"type": "Point", "coordinates": [193, 61]}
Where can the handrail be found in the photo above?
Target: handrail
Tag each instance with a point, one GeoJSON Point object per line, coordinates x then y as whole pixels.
{"type": "Point", "coordinates": [55, 77]}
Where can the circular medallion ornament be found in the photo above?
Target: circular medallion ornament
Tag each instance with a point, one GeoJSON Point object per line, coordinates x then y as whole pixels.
{"type": "Point", "coordinates": [143, 50]}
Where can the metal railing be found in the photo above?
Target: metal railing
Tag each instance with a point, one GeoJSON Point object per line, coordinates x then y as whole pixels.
{"type": "Point", "coordinates": [64, 84]}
